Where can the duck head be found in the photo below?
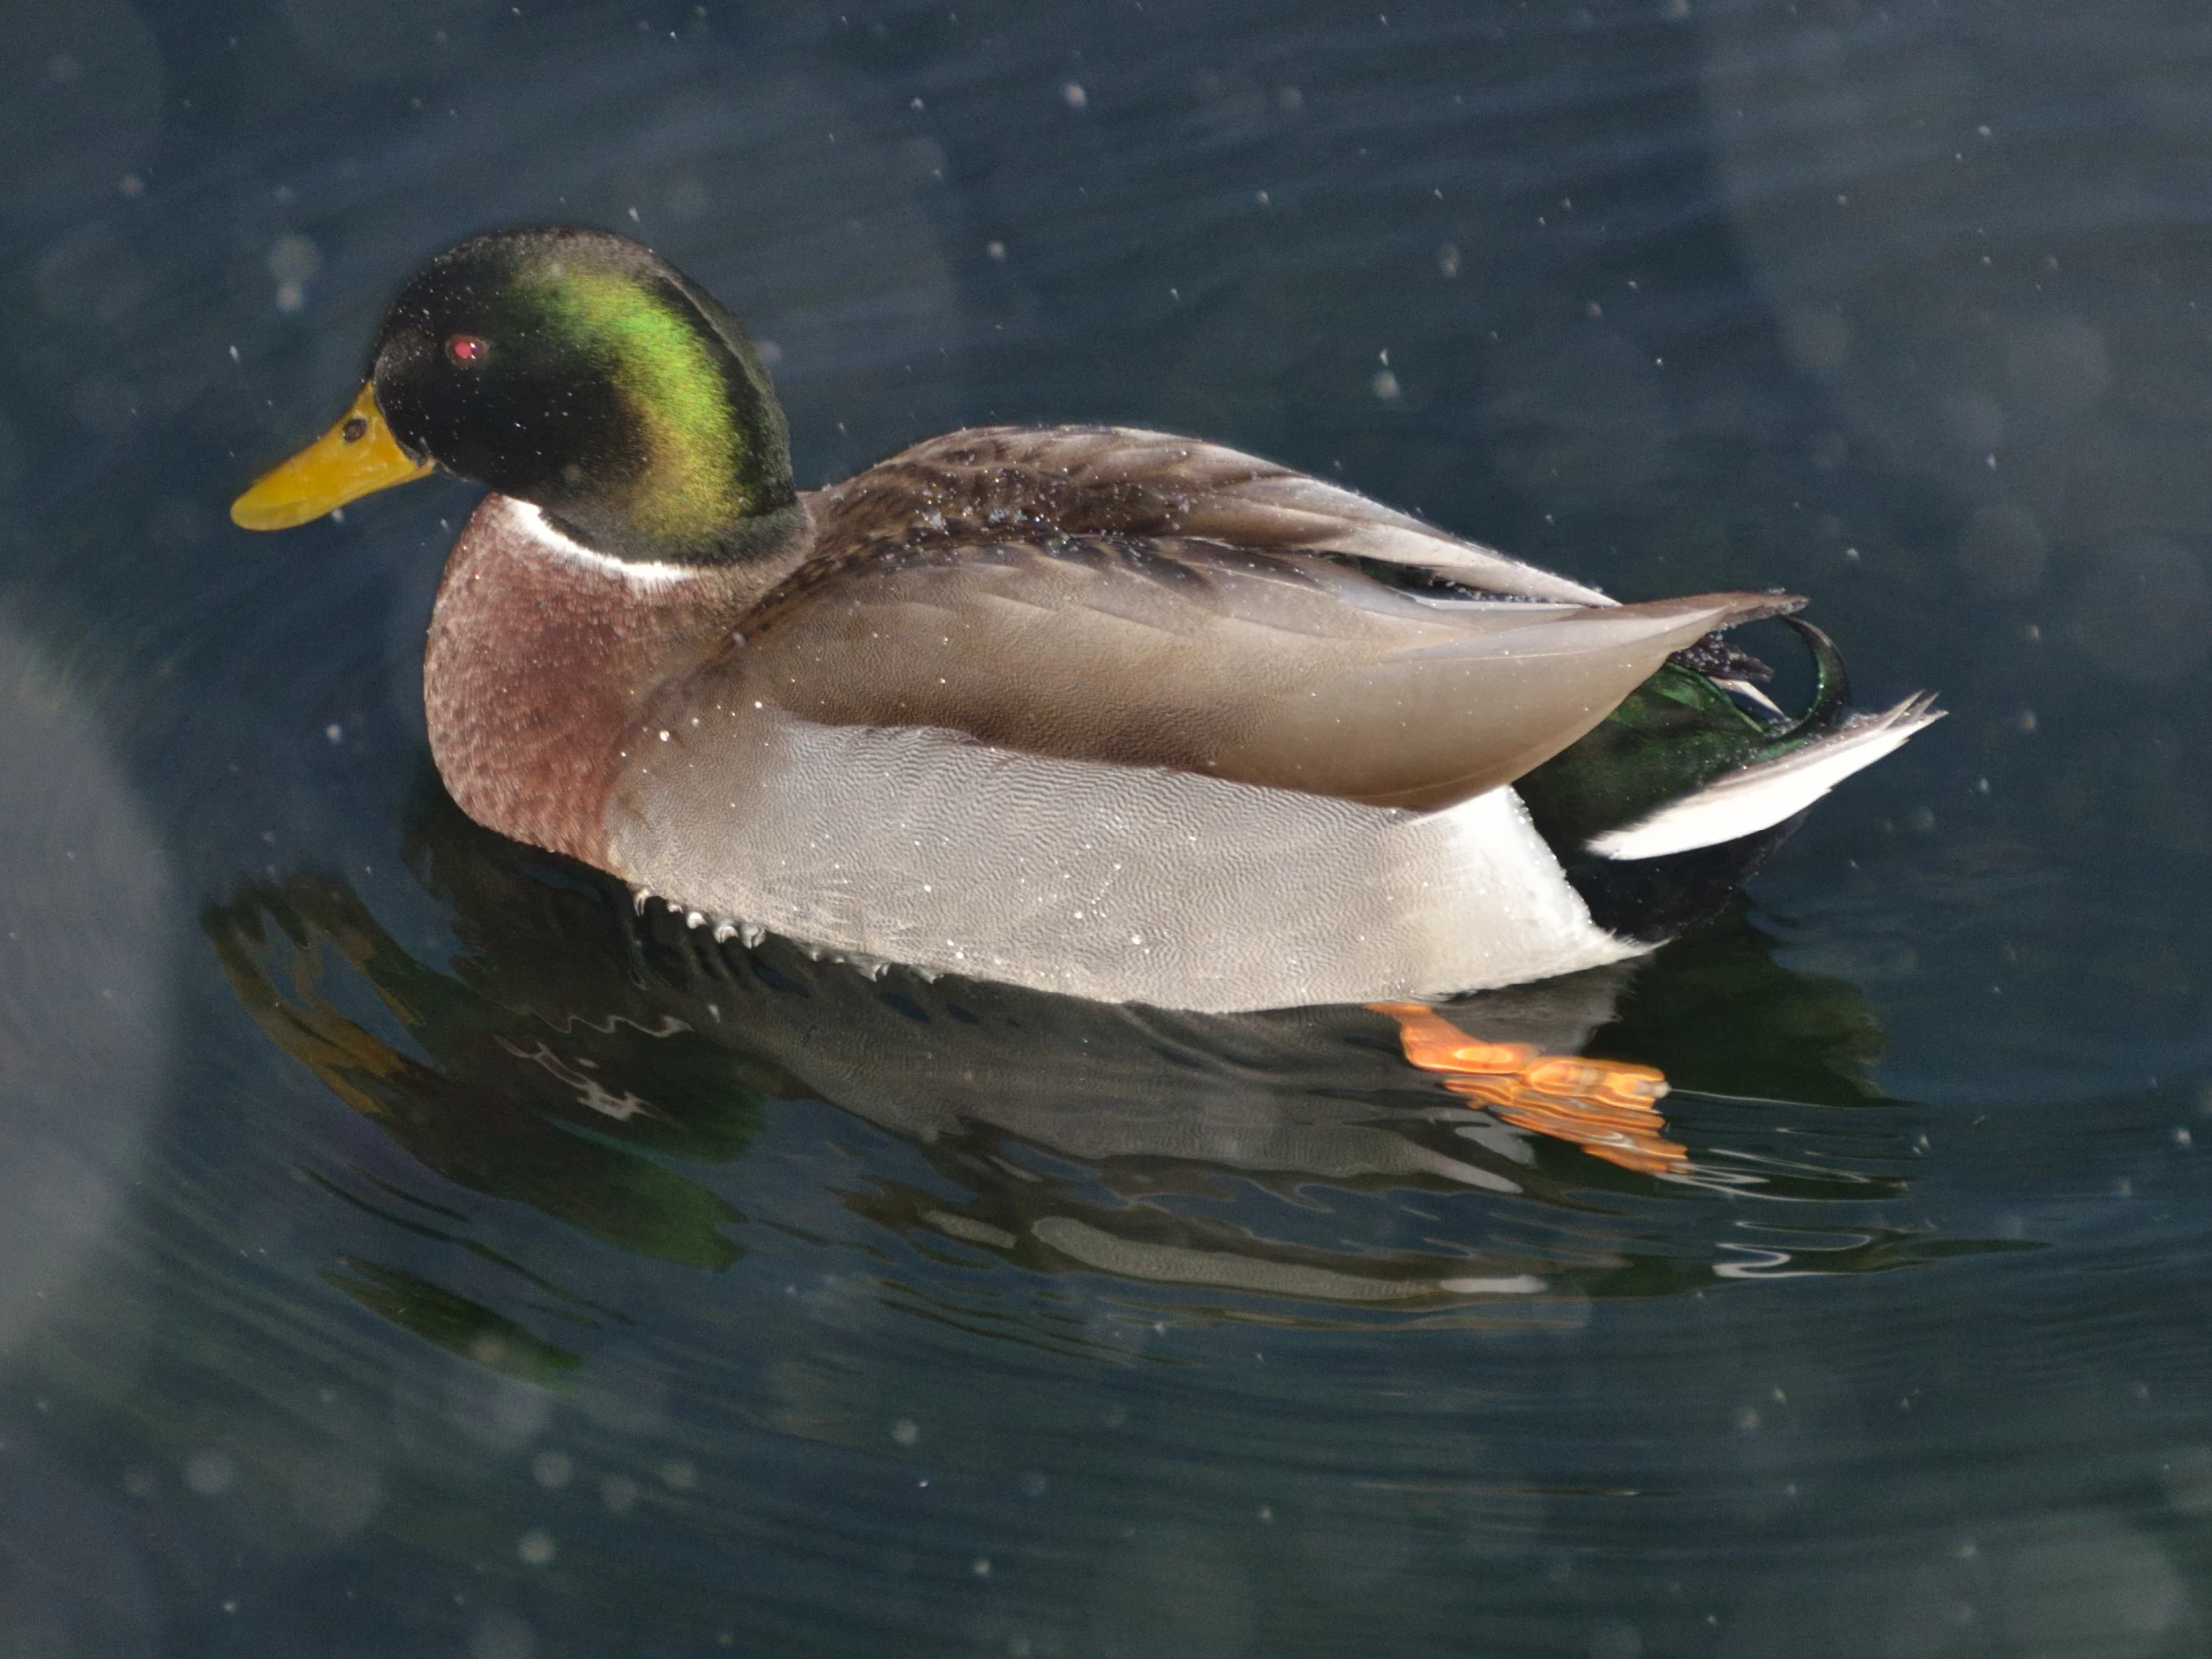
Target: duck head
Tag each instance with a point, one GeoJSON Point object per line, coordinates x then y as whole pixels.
{"type": "Point", "coordinates": [570, 368]}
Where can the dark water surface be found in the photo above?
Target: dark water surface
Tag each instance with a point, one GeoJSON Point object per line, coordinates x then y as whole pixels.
{"type": "Point", "coordinates": [403, 1251]}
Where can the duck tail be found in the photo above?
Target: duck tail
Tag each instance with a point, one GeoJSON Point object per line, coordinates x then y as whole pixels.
{"type": "Point", "coordinates": [1808, 758]}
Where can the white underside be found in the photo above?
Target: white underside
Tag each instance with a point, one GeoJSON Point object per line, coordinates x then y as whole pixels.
{"type": "Point", "coordinates": [1119, 883]}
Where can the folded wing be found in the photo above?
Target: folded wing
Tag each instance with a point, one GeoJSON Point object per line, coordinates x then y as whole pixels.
{"type": "Point", "coordinates": [992, 481]}
{"type": "Point", "coordinates": [1290, 669]}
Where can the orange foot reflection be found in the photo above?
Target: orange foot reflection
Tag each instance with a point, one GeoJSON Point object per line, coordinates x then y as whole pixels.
{"type": "Point", "coordinates": [1605, 1107]}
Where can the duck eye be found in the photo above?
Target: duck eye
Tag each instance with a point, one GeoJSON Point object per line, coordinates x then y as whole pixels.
{"type": "Point", "coordinates": [466, 349]}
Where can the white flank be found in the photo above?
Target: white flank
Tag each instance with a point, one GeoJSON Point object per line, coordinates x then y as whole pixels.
{"type": "Point", "coordinates": [1508, 914]}
{"type": "Point", "coordinates": [544, 538]}
{"type": "Point", "coordinates": [1758, 796]}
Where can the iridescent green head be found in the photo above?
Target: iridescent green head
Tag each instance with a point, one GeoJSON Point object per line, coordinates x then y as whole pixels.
{"type": "Point", "coordinates": [581, 371]}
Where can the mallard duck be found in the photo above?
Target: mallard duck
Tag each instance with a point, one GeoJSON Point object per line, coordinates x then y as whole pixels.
{"type": "Point", "coordinates": [1092, 710]}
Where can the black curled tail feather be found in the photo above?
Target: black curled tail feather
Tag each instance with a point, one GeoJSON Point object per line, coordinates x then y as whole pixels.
{"type": "Point", "coordinates": [1831, 687]}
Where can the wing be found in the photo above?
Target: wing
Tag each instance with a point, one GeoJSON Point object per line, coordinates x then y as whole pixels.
{"type": "Point", "coordinates": [1288, 670]}
{"type": "Point", "coordinates": [990, 482]}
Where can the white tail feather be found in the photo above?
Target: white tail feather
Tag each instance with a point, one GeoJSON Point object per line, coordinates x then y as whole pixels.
{"type": "Point", "coordinates": [1758, 796]}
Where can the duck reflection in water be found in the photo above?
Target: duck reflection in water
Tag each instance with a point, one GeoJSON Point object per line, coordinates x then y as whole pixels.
{"type": "Point", "coordinates": [596, 1065]}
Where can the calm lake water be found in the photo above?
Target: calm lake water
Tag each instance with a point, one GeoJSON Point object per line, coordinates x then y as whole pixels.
{"type": "Point", "coordinates": [405, 1251]}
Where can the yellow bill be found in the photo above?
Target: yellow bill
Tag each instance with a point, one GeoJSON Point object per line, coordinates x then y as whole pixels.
{"type": "Point", "coordinates": [357, 457]}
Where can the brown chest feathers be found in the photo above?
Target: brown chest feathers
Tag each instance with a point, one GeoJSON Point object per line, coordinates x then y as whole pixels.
{"type": "Point", "coordinates": [540, 660]}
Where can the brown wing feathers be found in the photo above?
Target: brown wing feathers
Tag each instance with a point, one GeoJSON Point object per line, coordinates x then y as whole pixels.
{"type": "Point", "coordinates": [1281, 669]}
{"type": "Point", "coordinates": [992, 481]}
